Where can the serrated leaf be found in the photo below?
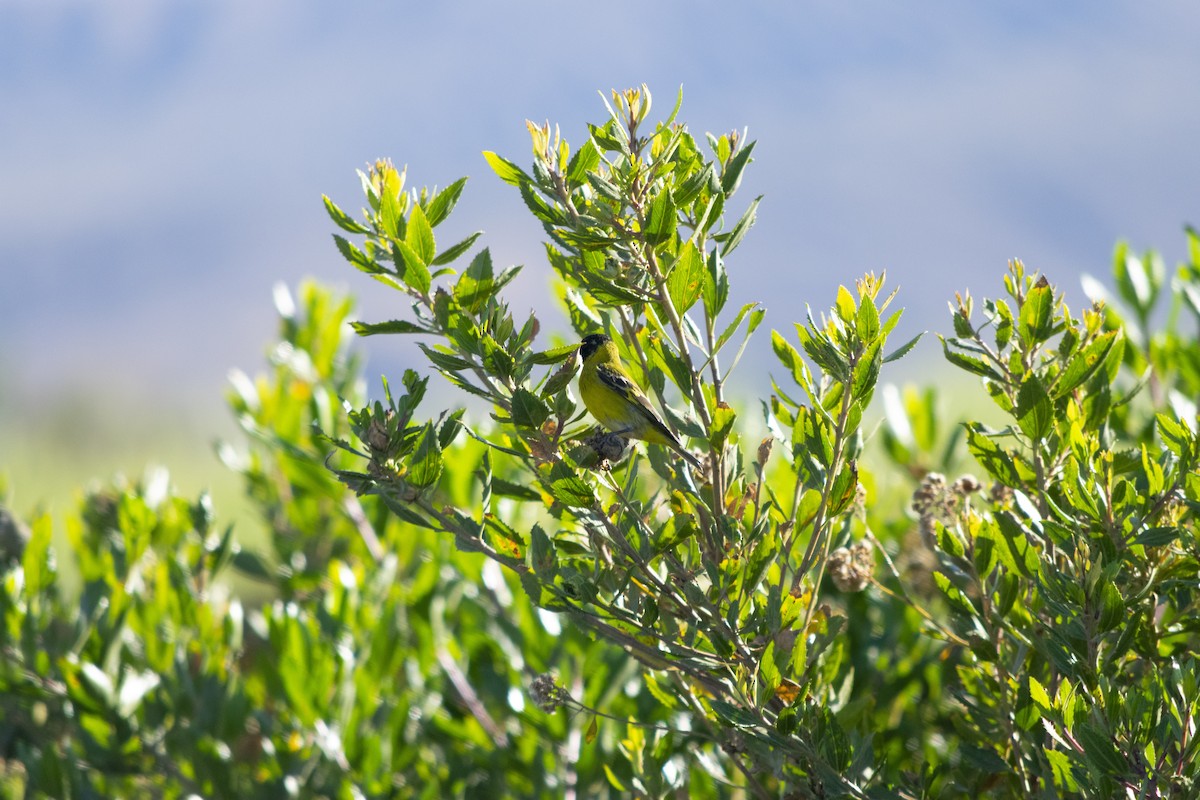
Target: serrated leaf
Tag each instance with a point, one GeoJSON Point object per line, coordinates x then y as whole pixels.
{"type": "Point", "coordinates": [476, 285]}
{"type": "Point", "coordinates": [508, 172]}
{"type": "Point", "coordinates": [425, 465]}
{"type": "Point", "coordinates": [573, 491]}
{"type": "Point", "coordinates": [734, 715]}
{"type": "Point", "coordinates": [416, 272]}
{"type": "Point", "coordinates": [769, 669]}
{"type": "Point", "coordinates": [686, 278]}
{"type": "Point", "coordinates": [1036, 321]}
{"type": "Point", "coordinates": [391, 326]}
{"type": "Point", "coordinates": [1084, 364]}
{"type": "Point", "coordinates": [505, 488]}
{"type": "Point", "coordinates": [661, 222]}
{"type": "Point", "coordinates": [586, 159]}
{"type": "Point", "coordinates": [1034, 411]}
{"type": "Point", "coordinates": [715, 288]}
{"type": "Point", "coordinates": [1099, 750]}
{"type": "Point", "coordinates": [1111, 605]}
{"type": "Point", "coordinates": [969, 363]}
{"type": "Point", "coordinates": [444, 201]}
{"type": "Point", "coordinates": [731, 178]}
{"type": "Point", "coordinates": [1038, 694]}
{"type": "Point", "coordinates": [903, 349]}
{"type": "Point", "coordinates": [342, 219]}
{"type": "Point", "coordinates": [959, 601]}
{"type": "Point", "coordinates": [1158, 537]}
{"type": "Point", "coordinates": [455, 250]}
{"type": "Point", "coordinates": [419, 237]}
{"type": "Point", "coordinates": [355, 256]}
{"type": "Point", "coordinates": [528, 410]}
{"type": "Point", "coordinates": [541, 209]}
{"type": "Point", "coordinates": [743, 226]}
{"type": "Point", "coordinates": [998, 462]}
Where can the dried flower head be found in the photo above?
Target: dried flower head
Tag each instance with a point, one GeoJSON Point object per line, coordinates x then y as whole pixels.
{"type": "Point", "coordinates": [929, 494]}
{"type": "Point", "coordinates": [967, 484]}
{"type": "Point", "coordinates": [851, 567]}
{"type": "Point", "coordinates": [547, 694]}
{"type": "Point", "coordinates": [608, 447]}
{"type": "Point", "coordinates": [376, 435]}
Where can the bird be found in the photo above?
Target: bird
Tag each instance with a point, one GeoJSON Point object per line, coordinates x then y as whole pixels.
{"type": "Point", "coordinates": [617, 403]}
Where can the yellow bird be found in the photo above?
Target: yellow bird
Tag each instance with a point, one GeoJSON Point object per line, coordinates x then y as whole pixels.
{"type": "Point", "coordinates": [616, 401]}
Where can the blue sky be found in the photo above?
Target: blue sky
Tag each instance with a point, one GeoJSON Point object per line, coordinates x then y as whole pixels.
{"type": "Point", "coordinates": [163, 163]}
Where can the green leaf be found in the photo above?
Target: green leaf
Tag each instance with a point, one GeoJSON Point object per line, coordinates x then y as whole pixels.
{"type": "Point", "coordinates": [715, 288]}
{"type": "Point", "coordinates": [903, 349]}
{"type": "Point", "coordinates": [789, 356]}
{"type": "Point", "coordinates": [769, 669]}
{"type": "Point", "coordinates": [1137, 282]}
{"type": "Point", "coordinates": [392, 326]}
{"type": "Point", "coordinates": [252, 565]}
{"type": "Point", "coordinates": [733, 715]}
{"type": "Point", "coordinates": [866, 322]}
{"type": "Point", "coordinates": [997, 461]}
{"type": "Point", "coordinates": [425, 466]}
{"type": "Point", "coordinates": [958, 601]}
{"type": "Point", "coordinates": [1034, 411]}
{"type": "Point", "coordinates": [742, 227]}
{"type": "Point", "coordinates": [969, 363]}
{"type": "Point", "coordinates": [541, 209]}
{"type": "Point", "coordinates": [554, 355]}
{"type": "Point", "coordinates": [722, 425]}
{"type": "Point", "coordinates": [662, 222]}
{"type": "Point", "coordinates": [1036, 321]}
{"type": "Point", "coordinates": [355, 256]}
{"type": "Point", "coordinates": [505, 488]}
{"type": "Point", "coordinates": [1099, 750]}
{"type": "Point", "coordinates": [573, 491]}
{"type": "Point", "coordinates": [342, 219]}
{"type": "Point", "coordinates": [509, 172]}
{"type": "Point", "coordinates": [419, 237]}
{"type": "Point", "coordinates": [476, 285]}
{"type": "Point", "coordinates": [985, 761]}
{"type": "Point", "coordinates": [416, 272]}
{"type": "Point", "coordinates": [528, 410]}
{"type": "Point", "coordinates": [1158, 537]}
{"type": "Point", "coordinates": [731, 178]}
{"type": "Point", "coordinates": [585, 159]}
{"type": "Point", "coordinates": [1013, 546]}
{"type": "Point", "coordinates": [1111, 605]}
{"type": "Point", "coordinates": [444, 201]}
{"type": "Point", "coordinates": [1084, 364]}
{"type": "Point", "coordinates": [38, 560]}
{"type": "Point", "coordinates": [455, 250]}
{"type": "Point", "coordinates": [686, 279]}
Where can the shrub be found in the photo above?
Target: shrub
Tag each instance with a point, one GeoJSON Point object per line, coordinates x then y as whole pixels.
{"type": "Point", "coordinates": [523, 606]}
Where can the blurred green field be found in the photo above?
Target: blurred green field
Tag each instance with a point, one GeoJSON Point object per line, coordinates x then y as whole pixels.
{"type": "Point", "coordinates": [54, 448]}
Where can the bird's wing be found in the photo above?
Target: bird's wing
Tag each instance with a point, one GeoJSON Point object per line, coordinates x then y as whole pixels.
{"type": "Point", "coordinates": [631, 392]}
